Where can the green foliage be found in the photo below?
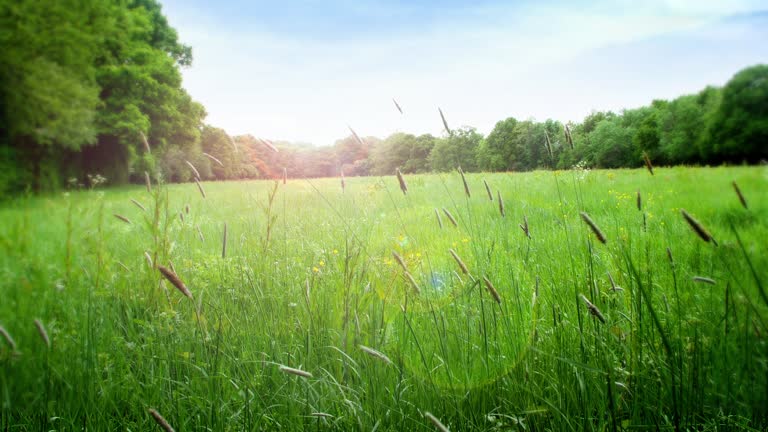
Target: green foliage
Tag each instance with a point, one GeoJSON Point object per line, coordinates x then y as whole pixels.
{"type": "Point", "coordinates": [309, 277]}
{"type": "Point", "coordinates": [458, 149]}
{"type": "Point", "coordinates": [75, 74]}
{"type": "Point", "coordinates": [739, 128]}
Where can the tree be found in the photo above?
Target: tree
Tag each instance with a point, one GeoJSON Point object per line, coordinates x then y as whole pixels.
{"type": "Point", "coordinates": [739, 128]}
{"type": "Point", "coordinates": [458, 149]}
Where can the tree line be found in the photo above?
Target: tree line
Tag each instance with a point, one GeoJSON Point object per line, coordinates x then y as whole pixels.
{"type": "Point", "coordinates": [94, 87]}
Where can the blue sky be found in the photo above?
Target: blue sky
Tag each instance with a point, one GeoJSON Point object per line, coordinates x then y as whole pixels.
{"type": "Point", "coordinates": [304, 70]}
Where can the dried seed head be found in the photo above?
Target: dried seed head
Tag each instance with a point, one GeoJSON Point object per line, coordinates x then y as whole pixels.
{"type": "Point", "coordinates": [224, 242]}
{"type": "Point", "coordinates": [461, 264]}
{"type": "Point", "coordinates": [174, 280]}
{"type": "Point", "coordinates": [125, 267]}
{"type": "Point", "coordinates": [488, 189]}
{"type": "Point", "coordinates": [464, 180]}
{"type": "Point", "coordinates": [410, 278]}
{"type": "Point", "coordinates": [450, 217]}
{"type": "Point", "coordinates": [401, 180]}
{"type": "Point", "coordinates": [138, 204]}
{"type": "Point", "coordinates": [194, 170]}
{"type": "Point", "coordinates": [200, 186]}
{"type": "Point", "coordinates": [43, 333]}
{"type": "Point", "coordinates": [397, 105]}
{"type": "Point", "coordinates": [492, 290]}
{"type": "Point", "coordinates": [146, 180]}
{"type": "Point", "coordinates": [697, 227]}
{"type": "Point", "coordinates": [269, 144]}
{"type": "Point", "coordinates": [648, 162]}
{"type": "Point", "coordinates": [211, 157]}
{"type": "Point", "coordinates": [8, 339]}
{"type": "Point", "coordinates": [501, 204]}
{"type": "Point", "coordinates": [705, 280]}
{"type": "Point", "coordinates": [375, 354]}
{"type": "Point", "coordinates": [123, 218]}
{"type": "Point", "coordinates": [146, 143]}
{"type": "Point", "coordinates": [639, 202]}
{"type": "Point", "coordinates": [669, 255]}
{"type": "Point", "coordinates": [160, 420]}
{"type": "Point", "coordinates": [439, 221]}
{"type": "Point", "coordinates": [293, 371]}
{"type": "Point", "coordinates": [200, 234]}
{"type": "Point", "coordinates": [599, 234]}
{"type": "Point", "coordinates": [614, 287]}
{"type": "Point", "coordinates": [399, 260]}
{"type": "Point", "coordinates": [356, 136]}
{"type": "Point", "coordinates": [321, 415]}
{"type": "Point", "coordinates": [148, 258]}
{"type": "Point", "coordinates": [445, 123]}
{"type": "Point", "coordinates": [186, 208]}
{"type": "Point", "coordinates": [437, 423]}
{"type": "Point", "coordinates": [548, 145]}
{"type": "Point", "coordinates": [524, 227]}
{"type": "Point", "coordinates": [740, 195]}
{"type": "Point", "coordinates": [593, 309]}
{"type": "Point", "coordinates": [343, 184]}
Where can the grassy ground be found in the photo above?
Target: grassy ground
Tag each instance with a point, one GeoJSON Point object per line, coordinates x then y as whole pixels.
{"type": "Point", "coordinates": [309, 275]}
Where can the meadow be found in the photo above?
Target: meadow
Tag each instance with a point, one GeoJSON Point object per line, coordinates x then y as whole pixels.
{"type": "Point", "coordinates": [307, 306]}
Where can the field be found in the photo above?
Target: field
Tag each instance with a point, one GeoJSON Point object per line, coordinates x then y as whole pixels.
{"type": "Point", "coordinates": [301, 317]}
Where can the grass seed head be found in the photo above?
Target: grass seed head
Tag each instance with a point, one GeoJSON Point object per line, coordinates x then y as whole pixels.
{"type": "Point", "coordinates": [146, 143]}
{"type": "Point", "coordinates": [123, 218]}
{"type": "Point", "coordinates": [213, 158]}
{"type": "Point", "coordinates": [294, 371]}
{"type": "Point", "coordinates": [439, 221]}
{"type": "Point", "coordinates": [488, 189]}
{"type": "Point", "coordinates": [160, 420]}
{"type": "Point", "coordinates": [401, 180]}
{"type": "Point", "coordinates": [269, 145]}
{"type": "Point", "coordinates": [742, 200]}
{"type": "Point", "coordinates": [595, 229]}
{"type": "Point", "coordinates": [174, 280]}
{"type": "Point", "coordinates": [415, 285]}
{"type": "Point", "coordinates": [697, 227]}
{"type": "Point", "coordinates": [450, 217]}
{"type": "Point", "coordinates": [200, 187]}
{"type": "Point", "coordinates": [397, 105]}
{"type": "Point", "coordinates": [343, 183]}
{"type": "Point", "coordinates": [138, 204]}
{"type": "Point", "coordinates": [194, 170]}
{"type": "Point", "coordinates": [647, 161]}
{"type": "Point", "coordinates": [375, 354]}
{"type": "Point", "coordinates": [148, 258]}
{"type": "Point", "coordinates": [43, 334]}
{"type": "Point", "coordinates": [593, 309]}
{"type": "Point", "coordinates": [525, 228]}
{"type": "Point", "coordinates": [399, 260]}
{"type": "Point", "coordinates": [461, 264]}
{"type": "Point", "coordinates": [437, 423]}
{"type": "Point", "coordinates": [639, 201]}
{"type": "Point", "coordinates": [492, 290]}
{"type": "Point", "coordinates": [148, 183]}
{"type": "Point", "coordinates": [8, 339]}
{"type": "Point", "coordinates": [706, 280]}
{"type": "Point", "coordinates": [464, 180]}
{"type": "Point", "coordinates": [224, 242]}
{"type": "Point", "coordinates": [501, 204]}
{"type": "Point", "coordinates": [445, 123]}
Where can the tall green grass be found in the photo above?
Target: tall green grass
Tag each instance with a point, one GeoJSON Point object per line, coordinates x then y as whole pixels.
{"type": "Point", "coordinates": [307, 276]}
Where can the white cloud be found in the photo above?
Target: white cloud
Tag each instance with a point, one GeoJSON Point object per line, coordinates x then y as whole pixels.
{"type": "Point", "coordinates": [479, 70]}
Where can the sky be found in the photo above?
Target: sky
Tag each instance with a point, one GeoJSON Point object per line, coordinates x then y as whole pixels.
{"type": "Point", "coordinates": [304, 71]}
